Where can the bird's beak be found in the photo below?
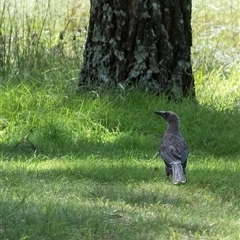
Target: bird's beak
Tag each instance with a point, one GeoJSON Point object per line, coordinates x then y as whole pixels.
{"type": "Point", "coordinates": [161, 113]}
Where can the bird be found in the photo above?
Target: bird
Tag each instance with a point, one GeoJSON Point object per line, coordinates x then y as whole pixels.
{"type": "Point", "coordinates": [173, 150]}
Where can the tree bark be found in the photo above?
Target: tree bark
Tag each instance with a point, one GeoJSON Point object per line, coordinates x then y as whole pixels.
{"type": "Point", "coordinates": [146, 43]}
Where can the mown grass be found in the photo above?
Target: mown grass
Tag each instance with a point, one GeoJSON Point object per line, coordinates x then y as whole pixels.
{"type": "Point", "coordinates": [96, 173]}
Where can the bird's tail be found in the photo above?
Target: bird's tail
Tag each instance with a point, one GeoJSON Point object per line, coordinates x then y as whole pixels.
{"type": "Point", "coordinates": [178, 174]}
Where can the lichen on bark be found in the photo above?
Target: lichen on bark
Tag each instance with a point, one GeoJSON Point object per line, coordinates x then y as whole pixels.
{"type": "Point", "coordinates": [139, 42]}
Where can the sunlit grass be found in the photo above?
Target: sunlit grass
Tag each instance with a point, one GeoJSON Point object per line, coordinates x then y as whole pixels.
{"type": "Point", "coordinates": [96, 172]}
{"type": "Point", "coordinates": [129, 201]}
{"type": "Point", "coordinates": [219, 88]}
{"type": "Point", "coordinates": [216, 34]}
{"type": "Point", "coordinates": [41, 35]}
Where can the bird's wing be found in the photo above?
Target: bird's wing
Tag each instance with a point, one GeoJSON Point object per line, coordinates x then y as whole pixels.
{"type": "Point", "coordinates": [174, 149]}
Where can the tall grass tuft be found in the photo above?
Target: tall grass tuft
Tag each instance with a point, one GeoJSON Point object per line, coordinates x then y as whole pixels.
{"type": "Point", "coordinates": [216, 37]}
{"type": "Point", "coordinates": [41, 35]}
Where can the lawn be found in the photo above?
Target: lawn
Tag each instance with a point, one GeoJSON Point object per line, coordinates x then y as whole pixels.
{"type": "Point", "coordinates": [86, 165]}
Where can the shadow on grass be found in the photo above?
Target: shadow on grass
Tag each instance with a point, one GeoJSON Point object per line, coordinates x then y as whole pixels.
{"type": "Point", "coordinates": [222, 183]}
{"type": "Point", "coordinates": [127, 146]}
{"type": "Point", "coordinates": [205, 129]}
{"type": "Point", "coordinates": [207, 132]}
{"type": "Point", "coordinates": [211, 132]}
{"type": "Point", "coordinates": [59, 218]}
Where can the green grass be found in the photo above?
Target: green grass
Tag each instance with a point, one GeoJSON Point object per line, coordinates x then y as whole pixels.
{"type": "Point", "coordinates": [96, 173]}
{"type": "Point", "coordinates": [215, 26]}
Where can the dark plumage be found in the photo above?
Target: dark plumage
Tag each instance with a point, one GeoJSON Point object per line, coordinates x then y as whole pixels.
{"type": "Point", "coordinates": [173, 150]}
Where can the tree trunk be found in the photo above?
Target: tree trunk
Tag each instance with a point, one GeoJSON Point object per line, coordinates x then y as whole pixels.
{"type": "Point", "coordinates": [139, 42]}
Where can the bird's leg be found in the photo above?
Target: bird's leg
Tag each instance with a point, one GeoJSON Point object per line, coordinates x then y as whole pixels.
{"type": "Point", "coordinates": [168, 172]}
